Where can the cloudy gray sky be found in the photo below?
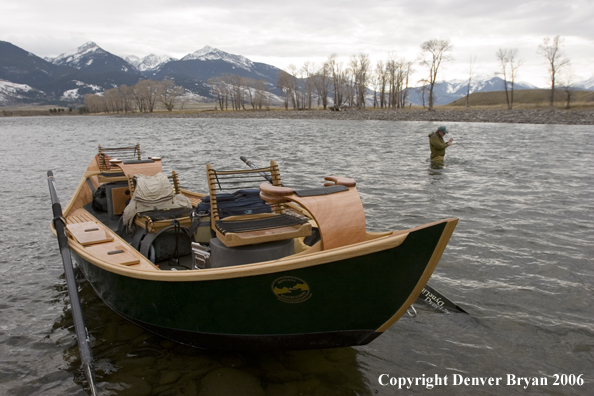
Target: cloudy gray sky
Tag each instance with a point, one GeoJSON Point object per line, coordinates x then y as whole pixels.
{"type": "Point", "coordinates": [282, 33]}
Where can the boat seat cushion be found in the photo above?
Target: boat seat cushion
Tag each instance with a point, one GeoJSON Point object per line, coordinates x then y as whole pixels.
{"type": "Point", "coordinates": [312, 192]}
{"type": "Point", "coordinates": [241, 202]}
{"type": "Point", "coordinates": [265, 223]}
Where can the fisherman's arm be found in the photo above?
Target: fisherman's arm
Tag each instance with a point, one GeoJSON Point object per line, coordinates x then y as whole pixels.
{"type": "Point", "coordinates": [438, 144]}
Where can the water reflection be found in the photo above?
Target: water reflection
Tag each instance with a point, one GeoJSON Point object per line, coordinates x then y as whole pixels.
{"type": "Point", "coordinates": [132, 361]}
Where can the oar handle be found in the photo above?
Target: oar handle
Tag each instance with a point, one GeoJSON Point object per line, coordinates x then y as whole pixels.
{"type": "Point", "coordinates": [254, 166]}
{"type": "Point", "coordinates": [84, 346]}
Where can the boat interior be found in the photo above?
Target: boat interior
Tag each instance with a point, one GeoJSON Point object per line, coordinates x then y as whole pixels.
{"type": "Point", "coordinates": [247, 216]}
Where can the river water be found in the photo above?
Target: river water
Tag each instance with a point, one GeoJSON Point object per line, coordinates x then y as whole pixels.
{"type": "Point", "coordinates": [521, 260]}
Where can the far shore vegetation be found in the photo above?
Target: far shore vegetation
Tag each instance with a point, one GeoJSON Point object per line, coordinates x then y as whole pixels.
{"type": "Point", "coordinates": [533, 99]}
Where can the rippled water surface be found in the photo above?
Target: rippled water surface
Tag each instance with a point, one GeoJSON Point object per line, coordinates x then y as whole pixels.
{"type": "Point", "coordinates": [520, 261]}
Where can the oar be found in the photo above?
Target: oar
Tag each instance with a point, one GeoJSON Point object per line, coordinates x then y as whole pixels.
{"type": "Point", "coordinates": [84, 346]}
{"type": "Point", "coordinates": [433, 298]}
{"type": "Point", "coordinates": [253, 166]}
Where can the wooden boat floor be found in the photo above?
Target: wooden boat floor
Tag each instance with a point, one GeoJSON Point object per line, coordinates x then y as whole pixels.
{"type": "Point", "coordinates": [104, 251]}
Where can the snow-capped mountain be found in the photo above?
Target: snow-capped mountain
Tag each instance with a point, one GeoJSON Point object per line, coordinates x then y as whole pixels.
{"type": "Point", "coordinates": [194, 70]}
{"type": "Point", "coordinates": [208, 53]}
{"type": "Point", "coordinates": [13, 93]}
{"type": "Point", "coordinates": [90, 57]}
{"type": "Point", "coordinates": [587, 85]}
{"type": "Point", "coordinates": [449, 91]}
{"type": "Point", "coordinates": [148, 63]}
{"type": "Point", "coordinates": [79, 57]}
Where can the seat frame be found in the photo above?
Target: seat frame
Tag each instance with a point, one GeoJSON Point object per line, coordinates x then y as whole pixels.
{"type": "Point", "coordinates": [253, 235]}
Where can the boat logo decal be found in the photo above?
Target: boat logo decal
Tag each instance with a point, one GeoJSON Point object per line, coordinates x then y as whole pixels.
{"type": "Point", "coordinates": [291, 290]}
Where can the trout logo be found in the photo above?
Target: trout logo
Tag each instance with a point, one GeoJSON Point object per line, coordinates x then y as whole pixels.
{"type": "Point", "coordinates": [291, 290]}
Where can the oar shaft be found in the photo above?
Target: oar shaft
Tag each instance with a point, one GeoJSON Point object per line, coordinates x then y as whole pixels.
{"type": "Point", "coordinates": [84, 347]}
{"type": "Point", "coordinates": [254, 166]}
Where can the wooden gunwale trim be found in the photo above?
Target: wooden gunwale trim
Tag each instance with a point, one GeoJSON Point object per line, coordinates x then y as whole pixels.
{"type": "Point", "coordinates": [268, 267]}
{"type": "Point", "coordinates": [435, 257]}
{"type": "Point", "coordinates": [288, 263]}
{"type": "Point", "coordinates": [81, 185]}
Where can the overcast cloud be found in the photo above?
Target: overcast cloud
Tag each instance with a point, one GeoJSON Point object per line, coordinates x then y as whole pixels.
{"type": "Point", "coordinates": [281, 33]}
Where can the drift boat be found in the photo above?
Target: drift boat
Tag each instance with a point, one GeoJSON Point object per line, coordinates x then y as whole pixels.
{"type": "Point", "coordinates": [259, 268]}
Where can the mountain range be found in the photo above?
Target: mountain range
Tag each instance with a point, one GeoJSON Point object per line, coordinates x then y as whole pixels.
{"type": "Point", "coordinates": [26, 78]}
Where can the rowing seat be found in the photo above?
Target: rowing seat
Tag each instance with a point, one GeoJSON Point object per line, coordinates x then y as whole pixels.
{"type": "Point", "coordinates": [336, 208]}
{"type": "Point", "coordinates": [248, 229]}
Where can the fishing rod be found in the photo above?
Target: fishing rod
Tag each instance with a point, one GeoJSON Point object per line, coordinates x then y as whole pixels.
{"type": "Point", "coordinates": [82, 337]}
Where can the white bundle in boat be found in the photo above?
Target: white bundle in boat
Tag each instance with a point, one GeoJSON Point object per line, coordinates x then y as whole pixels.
{"type": "Point", "coordinates": [153, 193]}
{"type": "Point", "coordinates": [152, 189]}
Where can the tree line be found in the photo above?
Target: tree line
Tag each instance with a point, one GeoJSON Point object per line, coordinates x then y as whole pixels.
{"type": "Point", "coordinates": [388, 83]}
{"type": "Point", "coordinates": [346, 83]}
{"type": "Point", "coordinates": [141, 97]}
{"type": "Point", "coordinates": [235, 91]}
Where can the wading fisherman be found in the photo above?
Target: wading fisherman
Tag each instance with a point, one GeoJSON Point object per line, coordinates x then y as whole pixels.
{"type": "Point", "coordinates": [438, 145]}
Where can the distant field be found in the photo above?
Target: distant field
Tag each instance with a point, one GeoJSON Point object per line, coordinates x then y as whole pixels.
{"type": "Point", "coordinates": [527, 98]}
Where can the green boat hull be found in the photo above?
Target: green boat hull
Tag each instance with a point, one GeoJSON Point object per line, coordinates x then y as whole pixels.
{"type": "Point", "coordinates": [335, 304]}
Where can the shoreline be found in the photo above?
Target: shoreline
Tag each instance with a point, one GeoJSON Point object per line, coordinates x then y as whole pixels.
{"type": "Point", "coordinates": [561, 117]}
{"type": "Point", "coordinates": [521, 116]}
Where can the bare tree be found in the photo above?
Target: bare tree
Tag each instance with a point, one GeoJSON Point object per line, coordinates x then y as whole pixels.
{"type": "Point", "coordinates": [339, 81]}
{"type": "Point", "coordinates": [471, 72]}
{"type": "Point", "coordinates": [568, 84]}
{"type": "Point", "coordinates": [145, 95]}
{"type": "Point", "coordinates": [552, 51]}
{"type": "Point", "coordinates": [283, 83]}
{"type": "Point", "coordinates": [219, 87]}
{"type": "Point", "coordinates": [503, 58]}
{"type": "Point", "coordinates": [360, 65]}
{"type": "Point", "coordinates": [404, 72]}
{"type": "Point", "coordinates": [423, 90]}
{"type": "Point", "coordinates": [433, 53]}
{"type": "Point", "coordinates": [112, 100]}
{"type": "Point", "coordinates": [93, 102]}
{"type": "Point", "coordinates": [514, 64]}
{"type": "Point", "coordinates": [391, 76]}
{"type": "Point", "coordinates": [292, 85]}
{"type": "Point", "coordinates": [508, 60]}
{"type": "Point", "coordinates": [261, 94]}
{"type": "Point", "coordinates": [381, 76]}
{"type": "Point", "coordinates": [308, 71]}
{"type": "Point", "coordinates": [127, 97]}
{"type": "Point", "coordinates": [298, 87]}
{"type": "Point", "coordinates": [322, 82]}
{"type": "Point", "coordinates": [169, 92]}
